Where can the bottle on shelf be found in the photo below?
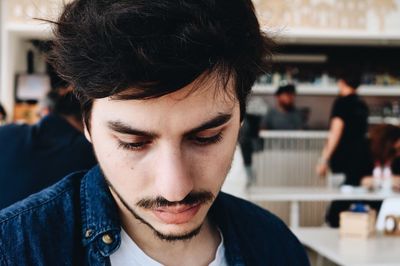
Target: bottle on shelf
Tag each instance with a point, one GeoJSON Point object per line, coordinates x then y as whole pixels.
{"type": "Point", "coordinates": [386, 179]}
{"type": "Point", "coordinates": [377, 174]}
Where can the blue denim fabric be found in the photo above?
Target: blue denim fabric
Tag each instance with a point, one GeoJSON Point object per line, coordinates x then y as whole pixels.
{"type": "Point", "coordinates": [76, 222]}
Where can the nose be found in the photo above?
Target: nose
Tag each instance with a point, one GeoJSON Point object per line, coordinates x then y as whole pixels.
{"type": "Point", "coordinates": [172, 178]}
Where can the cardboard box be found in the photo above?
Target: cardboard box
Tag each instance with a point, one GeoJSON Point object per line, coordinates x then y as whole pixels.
{"type": "Point", "coordinates": [357, 224]}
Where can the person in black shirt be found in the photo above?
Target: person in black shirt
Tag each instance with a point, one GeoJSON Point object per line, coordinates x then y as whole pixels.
{"type": "Point", "coordinates": [347, 149]}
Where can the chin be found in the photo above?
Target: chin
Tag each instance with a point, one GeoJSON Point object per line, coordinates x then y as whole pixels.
{"type": "Point", "coordinates": [177, 232]}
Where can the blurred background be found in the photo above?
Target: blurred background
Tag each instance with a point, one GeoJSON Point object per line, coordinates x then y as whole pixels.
{"type": "Point", "coordinates": [316, 40]}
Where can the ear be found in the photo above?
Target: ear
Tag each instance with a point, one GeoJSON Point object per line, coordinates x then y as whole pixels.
{"type": "Point", "coordinates": [87, 133]}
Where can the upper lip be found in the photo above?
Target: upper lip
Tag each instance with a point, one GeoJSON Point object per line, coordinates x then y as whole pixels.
{"type": "Point", "coordinates": [175, 209]}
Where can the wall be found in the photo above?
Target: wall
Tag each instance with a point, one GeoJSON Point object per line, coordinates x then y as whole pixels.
{"type": "Point", "coordinates": [26, 11]}
{"type": "Point", "coordinates": [321, 19]}
{"type": "Point", "coordinates": [18, 26]}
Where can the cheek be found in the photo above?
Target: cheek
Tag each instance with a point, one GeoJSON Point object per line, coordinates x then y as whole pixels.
{"type": "Point", "coordinates": [210, 167]}
{"type": "Point", "coordinates": [123, 169]}
{"type": "Point", "coordinates": [109, 155]}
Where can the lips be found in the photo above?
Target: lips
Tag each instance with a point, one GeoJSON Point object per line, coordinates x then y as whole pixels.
{"type": "Point", "coordinates": [176, 214]}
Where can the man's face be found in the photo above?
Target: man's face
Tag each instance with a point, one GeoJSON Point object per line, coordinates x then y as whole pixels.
{"type": "Point", "coordinates": [286, 100]}
{"type": "Point", "coordinates": [166, 158]}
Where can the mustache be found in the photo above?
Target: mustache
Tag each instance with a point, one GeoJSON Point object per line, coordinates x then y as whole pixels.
{"type": "Point", "coordinates": [192, 198]}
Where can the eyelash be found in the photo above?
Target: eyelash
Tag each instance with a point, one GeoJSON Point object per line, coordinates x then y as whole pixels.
{"type": "Point", "coordinates": [208, 140]}
{"type": "Point", "coordinates": [137, 146]}
{"type": "Point", "coordinates": [132, 145]}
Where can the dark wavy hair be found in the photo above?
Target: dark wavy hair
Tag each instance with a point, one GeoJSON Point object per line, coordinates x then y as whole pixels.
{"type": "Point", "coordinates": [350, 74]}
{"type": "Point", "coordinates": [147, 49]}
{"type": "Point", "coordinates": [382, 142]}
{"type": "Point", "coordinates": [62, 102]}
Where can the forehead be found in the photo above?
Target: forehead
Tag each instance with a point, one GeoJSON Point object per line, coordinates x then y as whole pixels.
{"type": "Point", "coordinates": [184, 108]}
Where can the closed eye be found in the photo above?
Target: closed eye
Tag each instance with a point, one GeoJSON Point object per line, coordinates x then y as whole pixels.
{"type": "Point", "coordinates": [207, 140]}
{"type": "Point", "coordinates": [140, 145]}
{"type": "Point", "coordinates": [136, 146]}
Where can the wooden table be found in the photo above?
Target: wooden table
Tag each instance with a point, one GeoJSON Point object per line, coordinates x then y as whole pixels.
{"type": "Point", "coordinates": [295, 195]}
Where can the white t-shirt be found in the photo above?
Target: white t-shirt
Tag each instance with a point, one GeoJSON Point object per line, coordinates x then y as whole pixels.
{"type": "Point", "coordinates": [130, 254]}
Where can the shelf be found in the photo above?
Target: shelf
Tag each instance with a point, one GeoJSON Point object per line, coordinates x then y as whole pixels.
{"type": "Point", "coordinates": [294, 134]}
{"type": "Point", "coordinates": [332, 37]}
{"type": "Point", "coordinates": [309, 89]}
{"type": "Point", "coordinates": [384, 120]}
{"type": "Point", "coordinates": [40, 30]}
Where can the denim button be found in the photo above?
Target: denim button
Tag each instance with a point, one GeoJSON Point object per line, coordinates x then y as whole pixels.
{"type": "Point", "coordinates": [107, 239]}
{"type": "Point", "coordinates": [88, 233]}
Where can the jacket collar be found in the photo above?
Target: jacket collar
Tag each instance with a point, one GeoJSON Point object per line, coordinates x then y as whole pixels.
{"type": "Point", "coordinates": [100, 218]}
{"type": "Point", "coordinates": [222, 217]}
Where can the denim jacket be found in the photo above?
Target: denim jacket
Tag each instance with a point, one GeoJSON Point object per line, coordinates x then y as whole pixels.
{"type": "Point", "coordinates": [76, 222]}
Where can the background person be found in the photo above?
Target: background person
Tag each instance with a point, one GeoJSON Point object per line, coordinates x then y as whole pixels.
{"type": "Point", "coordinates": [347, 149]}
{"type": "Point", "coordinates": [385, 150]}
{"type": "Point", "coordinates": [285, 116]}
{"type": "Point", "coordinates": [248, 138]}
{"type": "Point", "coordinates": [36, 156]}
{"type": "Point", "coordinates": [3, 115]}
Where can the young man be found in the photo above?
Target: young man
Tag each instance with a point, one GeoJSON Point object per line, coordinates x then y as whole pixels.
{"type": "Point", "coordinates": [163, 84]}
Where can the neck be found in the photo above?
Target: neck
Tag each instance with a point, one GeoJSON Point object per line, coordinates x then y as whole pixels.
{"type": "Point", "coordinates": [285, 109]}
{"type": "Point", "coordinates": [199, 250]}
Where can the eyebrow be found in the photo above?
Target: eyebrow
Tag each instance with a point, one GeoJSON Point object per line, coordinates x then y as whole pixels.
{"type": "Point", "coordinates": [214, 122]}
{"type": "Point", "coordinates": [123, 128]}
